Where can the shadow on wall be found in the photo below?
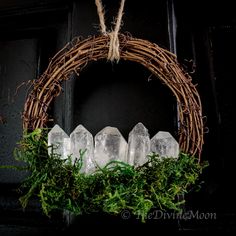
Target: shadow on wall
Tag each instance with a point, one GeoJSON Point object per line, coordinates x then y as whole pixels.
{"type": "Point", "coordinates": [121, 95]}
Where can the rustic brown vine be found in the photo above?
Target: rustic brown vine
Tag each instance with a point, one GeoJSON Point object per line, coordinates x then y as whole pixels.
{"type": "Point", "coordinates": [162, 63]}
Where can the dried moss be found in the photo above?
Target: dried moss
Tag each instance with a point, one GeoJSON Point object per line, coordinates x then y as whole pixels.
{"type": "Point", "coordinates": [59, 185]}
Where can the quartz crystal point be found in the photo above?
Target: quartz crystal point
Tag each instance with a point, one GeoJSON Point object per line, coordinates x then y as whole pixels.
{"type": "Point", "coordinates": [164, 144]}
{"type": "Point", "coordinates": [57, 139]}
{"type": "Point", "coordinates": [138, 145]}
{"type": "Point", "coordinates": [109, 146]}
{"type": "Point", "coordinates": [82, 142]}
{"type": "Point", "coordinates": [66, 147]}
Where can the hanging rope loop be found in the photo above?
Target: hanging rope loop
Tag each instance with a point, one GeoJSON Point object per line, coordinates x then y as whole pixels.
{"type": "Point", "coordinates": [114, 52]}
{"type": "Point", "coordinates": [100, 12]}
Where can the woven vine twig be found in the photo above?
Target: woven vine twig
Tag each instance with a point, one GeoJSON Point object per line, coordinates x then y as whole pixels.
{"type": "Point", "coordinates": [162, 63]}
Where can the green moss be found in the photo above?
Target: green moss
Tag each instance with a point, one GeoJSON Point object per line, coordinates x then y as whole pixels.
{"type": "Point", "coordinates": [59, 184]}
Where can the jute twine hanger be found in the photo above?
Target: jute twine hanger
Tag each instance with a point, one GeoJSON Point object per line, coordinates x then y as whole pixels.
{"type": "Point", "coordinates": [113, 53]}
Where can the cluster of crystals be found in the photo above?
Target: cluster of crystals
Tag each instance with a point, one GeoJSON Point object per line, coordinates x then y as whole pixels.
{"type": "Point", "coordinates": [109, 145]}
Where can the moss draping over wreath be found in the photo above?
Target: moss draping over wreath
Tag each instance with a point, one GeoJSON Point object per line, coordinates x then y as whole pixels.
{"type": "Point", "coordinates": [163, 64]}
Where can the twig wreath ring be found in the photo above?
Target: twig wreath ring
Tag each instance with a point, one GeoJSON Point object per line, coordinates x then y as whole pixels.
{"type": "Point", "coordinates": [115, 46]}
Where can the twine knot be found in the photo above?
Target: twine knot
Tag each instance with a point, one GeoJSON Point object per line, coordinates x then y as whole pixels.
{"type": "Point", "coordinates": [114, 45]}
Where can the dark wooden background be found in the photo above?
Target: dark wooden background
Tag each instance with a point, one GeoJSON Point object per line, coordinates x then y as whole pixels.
{"type": "Point", "coordinates": [201, 33]}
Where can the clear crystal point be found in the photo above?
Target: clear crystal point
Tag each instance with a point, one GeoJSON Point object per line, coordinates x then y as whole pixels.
{"type": "Point", "coordinates": [138, 145]}
{"type": "Point", "coordinates": [56, 142]}
{"type": "Point", "coordinates": [82, 140]}
{"type": "Point", "coordinates": [109, 146]}
{"type": "Point", "coordinates": [164, 144]}
{"type": "Point", "coordinates": [66, 147]}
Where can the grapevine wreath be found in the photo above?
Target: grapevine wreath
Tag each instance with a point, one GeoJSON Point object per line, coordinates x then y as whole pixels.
{"type": "Point", "coordinates": [111, 189]}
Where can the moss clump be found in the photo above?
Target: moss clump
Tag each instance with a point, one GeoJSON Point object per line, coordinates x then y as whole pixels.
{"type": "Point", "coordinates": [59, 184]}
